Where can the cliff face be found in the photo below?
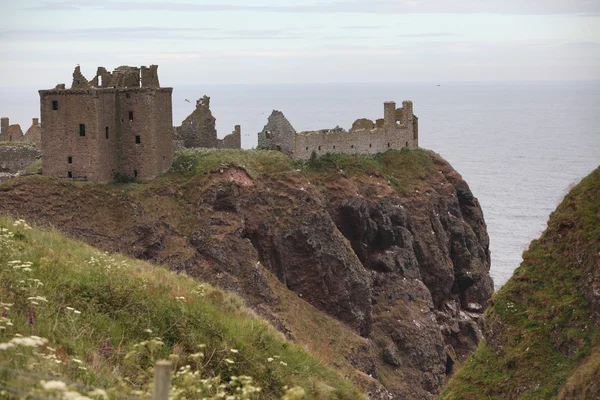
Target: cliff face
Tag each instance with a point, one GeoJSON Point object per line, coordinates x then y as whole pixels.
{"type": "Point", "coordinates": [395, 247]}
{"type": "Point", "coordinates": [542, 328]}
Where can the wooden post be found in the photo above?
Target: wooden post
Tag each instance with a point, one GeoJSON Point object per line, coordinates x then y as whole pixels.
{"type": "Point", "coordinates": [162, 380]}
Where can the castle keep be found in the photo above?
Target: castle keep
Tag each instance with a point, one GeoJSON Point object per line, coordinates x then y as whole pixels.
{"type": "Point", "coordinates": [119, 122]}
{"type": "Point", "coordinates": [397, 129]}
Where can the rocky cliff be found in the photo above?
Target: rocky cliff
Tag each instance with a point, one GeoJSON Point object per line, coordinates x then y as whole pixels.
{"type": "Point", "coordinates": [377, 264]}
{"type": "Point", "coordinates": [542, 328]}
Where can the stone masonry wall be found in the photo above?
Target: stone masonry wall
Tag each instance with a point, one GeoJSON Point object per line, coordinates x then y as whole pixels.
{"type": "Point", "coordinates": [231, 141]}
{"type": "Point", "coordinates": [398, 129]}
{"type": "Point", "coordinates": [360, 142]}
{"type": "Point", "coordinates": [16, 158]}
{"type": "Point", "coordinates": [199, 130]}
{"type": "Point", "coordinates": [61, 136]}
{"type": "Point", "coordinates": [278, 134]}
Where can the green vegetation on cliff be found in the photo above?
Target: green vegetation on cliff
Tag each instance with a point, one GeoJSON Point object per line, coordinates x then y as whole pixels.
{"type": "Point", "coordinates": [543, 326]}
{"type": "Point", "coordinates": [101, 320]}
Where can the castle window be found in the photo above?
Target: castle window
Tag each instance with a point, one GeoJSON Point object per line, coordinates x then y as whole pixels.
{"type": "Point", "coordinates": [370, 145]}
{"type": "Point", "coordinates": [307, 148]}
{"type": "Point", "coordinates": [131, 115]}
{"type": "Point", "coordinates": [81, 129]}
{"type": "Point", "coordinates": [138, 140]}
{"type": "Point", "coordinates": [127, 95]}
{"type": "Point", "coordinates": [351, 146]}
{"type": "Point", "coordinates": [55, 105]}
{"type": "Point", "coordinates": [319, 147]}
{"type": "Point", "coordinates": [334, 146]}
{"type": "Point", "coordinates": [135, 173]}
{"type": "Point", "coordinates": [69, 174]}
{"type": "Point", "coordinates": [70, 160]}
{"type": "Point", "coordinates": [388, 145]}
{"type": "Point", "coordinates": [106, 132]}
{"type": "Point", "coordinates": [406, 144]}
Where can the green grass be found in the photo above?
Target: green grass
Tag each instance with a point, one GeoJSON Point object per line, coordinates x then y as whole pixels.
{"type": "Point", "coordinates": [120, 301]}
{"type": "Point", "coordinates": [254, 162]}
{"type": "Point", "coordinates": [540, 322]}
{"type": "Point", "coordinates": [404, 169]}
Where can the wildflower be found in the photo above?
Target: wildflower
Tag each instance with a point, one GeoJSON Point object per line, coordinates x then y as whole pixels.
{"type": "Point", "coordinates": [107, 348]}
{"type": "Point", "coordinates": [99, 394]}
{"type": "Point", "coordinates": [270, 359]}
{"type": "Point", "coordinates": [31, 319]}
{"type": "Point", "coordinates": [4, 312]}
{"type": "Point", "coordinates": [229, 361]}
{"type": "Point", "coordinates": [77, 360]}
{"type": "Point", "coordinates": [76, 311]}
{"type": "Point", "coordinates": [282, 363]}
{"type": "Point", "coordinates": [70, 309]}
{"type": "Point", "coordinates": [54, 385]}
{"type": "Point", "coordinates": [234, 351]}
{"type": "Point", "coordinates": [148, 330]}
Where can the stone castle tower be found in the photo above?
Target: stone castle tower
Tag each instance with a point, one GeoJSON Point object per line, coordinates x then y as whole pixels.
{"type": "Point", "coordinates": [119, 122]}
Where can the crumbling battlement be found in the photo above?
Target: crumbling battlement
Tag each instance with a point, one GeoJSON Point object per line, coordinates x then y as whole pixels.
{"type": "Point", "coordinates": [397, 129]}
{"type": "Point", "coordinates": [115, 123]}
{"type": "Point", "coordinates": [198, 129]}
{"type": "Point", "coordinates": [122, 77]}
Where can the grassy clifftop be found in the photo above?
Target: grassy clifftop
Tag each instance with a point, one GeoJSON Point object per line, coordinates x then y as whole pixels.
{"type": "Point", "coordinates": [100, 320]}
{"type": "Point", "coordinates": [543, 326]}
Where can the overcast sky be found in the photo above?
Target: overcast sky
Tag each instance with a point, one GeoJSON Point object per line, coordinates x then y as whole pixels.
{"type": "Point", "coordinates": [257, 41]}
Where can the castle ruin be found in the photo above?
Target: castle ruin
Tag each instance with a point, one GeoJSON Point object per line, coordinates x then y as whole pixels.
{"type": "Point", "coordinates": [117, 123]}
{"type": "Point", "coordinates": [198, 130]}
{"type": "Point", "coordinates": [397, 129]}
{"type": "Point", "coordinates": [14, 133]}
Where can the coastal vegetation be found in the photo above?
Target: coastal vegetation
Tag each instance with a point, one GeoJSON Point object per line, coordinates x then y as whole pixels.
{"type": "Point", "coordinates": [543, 326]}
{"type": "Point", "coordinates": [78, 320]}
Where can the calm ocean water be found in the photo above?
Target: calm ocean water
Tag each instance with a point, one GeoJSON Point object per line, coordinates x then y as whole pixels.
{"type": "Point", "coordinates": [519, 145]}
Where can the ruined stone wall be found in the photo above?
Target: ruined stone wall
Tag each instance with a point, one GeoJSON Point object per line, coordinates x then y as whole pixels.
{"type": "Point", "coordinates": [278, 134]}
{"type": "Point", "coordinates": [4, 123]}
{"type": "Point", "coordinates": [151, 126]}
{"type": "Point", "coordinates": [61, 137]}
{"type": "Point", "coordinates": [108, 148]}
{"type": "Point", "coordinates": [34, 133]}
{"type": "Point", "coordinates": [361, 141]}
{"type": "Point", "coordinates": [16, 158]}
{"type": "Point", "coordinates": [231, 141]}
{"type": "Point", "coordinates": [397, 129]}
{"type": "Point", "coordinates": [199, 130]}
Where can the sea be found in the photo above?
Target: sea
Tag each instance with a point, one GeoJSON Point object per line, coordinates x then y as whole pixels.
{"type": "Point", "coordinates": [519, 145]}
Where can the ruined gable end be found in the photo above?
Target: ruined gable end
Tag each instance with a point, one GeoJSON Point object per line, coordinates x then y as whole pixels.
{"type": "Point", "coordinates": [199, 129]}
{"type": "Point", "coordinates": [277, 134]}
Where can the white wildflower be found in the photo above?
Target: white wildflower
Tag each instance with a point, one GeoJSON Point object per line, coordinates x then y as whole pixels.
{"type": "Point", "coordinates": [54, 385]}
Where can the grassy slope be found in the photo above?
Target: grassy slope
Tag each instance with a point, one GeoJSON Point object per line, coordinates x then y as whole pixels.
{"type": "Point", "coordinates": [119, 299]}
{"type": "Point", "coordinates": [544, 343]}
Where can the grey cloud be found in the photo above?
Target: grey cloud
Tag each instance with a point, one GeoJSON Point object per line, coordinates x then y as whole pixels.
{"type": "Point", "coordinates": [352, 6]}
{"type": "Point", "coordinates": [142, 33]}
{"type": "Point", "coordinates": [426, 35]}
